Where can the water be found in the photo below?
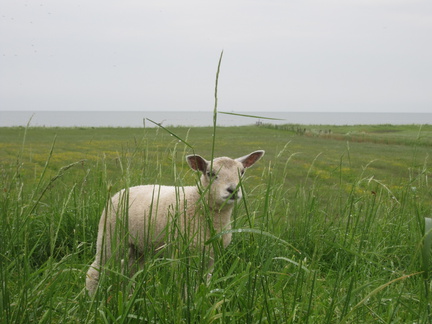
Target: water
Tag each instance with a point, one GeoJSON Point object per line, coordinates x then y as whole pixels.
{"type": "Point", "coordinates": [194, 119]}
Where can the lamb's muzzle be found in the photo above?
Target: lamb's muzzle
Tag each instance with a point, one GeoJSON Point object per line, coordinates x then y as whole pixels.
{"type": "Point", "coordinates": [148, 211]}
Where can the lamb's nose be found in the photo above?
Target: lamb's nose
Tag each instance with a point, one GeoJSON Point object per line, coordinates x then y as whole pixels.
{"type": "Point", "coordinates": [233, 192]}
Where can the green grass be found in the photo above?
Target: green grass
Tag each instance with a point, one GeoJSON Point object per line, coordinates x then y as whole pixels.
{"type": "Point", "coordinates": [330, 231]}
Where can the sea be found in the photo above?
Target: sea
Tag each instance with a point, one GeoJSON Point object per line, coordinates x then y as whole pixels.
{"type": "Point", "coordinates": [201, 118]}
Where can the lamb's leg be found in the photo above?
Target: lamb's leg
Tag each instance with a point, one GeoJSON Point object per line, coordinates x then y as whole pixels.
{"type": "Point", "coordinates": [134, 263]}
{"type": "Point", "coordinates": [210, 270]}
{"type": "Point", "coordinates": [92, 277]}
{"type": "Point", "coordinates": [210, 266]}
{"type": "Point", "coordinates": [133, 260]}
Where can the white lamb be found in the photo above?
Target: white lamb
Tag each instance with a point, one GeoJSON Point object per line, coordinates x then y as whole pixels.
{"type": "Point", "coordinates": [142, 218]}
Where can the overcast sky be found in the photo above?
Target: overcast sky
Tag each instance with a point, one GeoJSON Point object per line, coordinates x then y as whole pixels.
{"type": "Point", "coordinates": [291, 55]}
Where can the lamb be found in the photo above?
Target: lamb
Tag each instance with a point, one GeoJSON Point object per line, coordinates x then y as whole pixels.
{"type": "Point", "coordinates": [145, 213]}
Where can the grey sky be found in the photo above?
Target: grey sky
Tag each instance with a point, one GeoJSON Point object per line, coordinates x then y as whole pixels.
{"type": "Point", "coordinates": [292, 55]}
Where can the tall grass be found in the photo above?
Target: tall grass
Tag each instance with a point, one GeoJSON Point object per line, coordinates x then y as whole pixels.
{"type": "Point", "coordinates": [322, 249]}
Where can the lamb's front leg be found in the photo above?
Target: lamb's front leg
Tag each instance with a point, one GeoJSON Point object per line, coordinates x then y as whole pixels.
{"type": "Point", "coordinates": [210, 268]}
{"type": "Point", "coordinates": [226, 240]}
{"type": "Point", "coordinates": [136, 260]}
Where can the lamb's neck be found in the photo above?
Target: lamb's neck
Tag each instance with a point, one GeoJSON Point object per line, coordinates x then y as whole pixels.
{"type": "Point", "coordinates": [221, 217]}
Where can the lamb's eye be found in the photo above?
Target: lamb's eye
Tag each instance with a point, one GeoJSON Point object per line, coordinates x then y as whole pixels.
{"type": "Point", "coordinates": [211, 174]}
{"type": "Point", "coordinates": [242, 172]}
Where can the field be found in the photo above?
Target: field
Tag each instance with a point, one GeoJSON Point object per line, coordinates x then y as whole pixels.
{"type": "Point", "coordinates": [332, 228]}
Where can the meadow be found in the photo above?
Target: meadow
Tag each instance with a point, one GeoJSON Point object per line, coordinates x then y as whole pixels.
{"type": "Point", "coordinates": [332, 227]}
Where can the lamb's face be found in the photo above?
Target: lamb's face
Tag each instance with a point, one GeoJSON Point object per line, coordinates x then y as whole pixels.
{"type": "Point", "coordinates": [224, 178]}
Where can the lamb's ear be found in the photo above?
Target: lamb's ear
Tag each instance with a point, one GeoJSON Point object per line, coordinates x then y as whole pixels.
{"type": "Point", "coordinates": [197, 163]}
{"type": "Point", "coordinates": [249, 160]}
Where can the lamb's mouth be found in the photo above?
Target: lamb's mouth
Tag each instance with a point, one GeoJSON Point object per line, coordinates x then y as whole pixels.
{"type": "Point", "coordinates": [232, 197]}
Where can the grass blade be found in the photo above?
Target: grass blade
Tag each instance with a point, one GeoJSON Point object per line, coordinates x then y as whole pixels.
{"type": "Point", "coordinates": [249, 116]}
{"type": "Point", "coordinates": [215, 109]}
{"type": "Point", "coordinates": [427, 245]}
{"type": "Point", "coordinates": [172, 134]}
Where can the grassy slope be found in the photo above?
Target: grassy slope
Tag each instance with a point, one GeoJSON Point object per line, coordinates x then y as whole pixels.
{"type": "Point", "coordinates": [338, 219]}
